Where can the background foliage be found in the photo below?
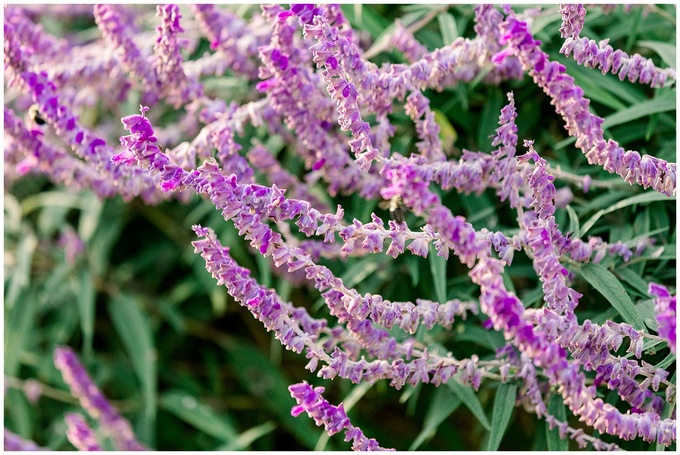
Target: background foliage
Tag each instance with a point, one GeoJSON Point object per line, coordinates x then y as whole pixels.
{"type": "Point", "coordinates": [193, 370]}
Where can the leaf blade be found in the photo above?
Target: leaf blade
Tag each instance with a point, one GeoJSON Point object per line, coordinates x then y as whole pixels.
{"type": "Point", "coordinates": [470, 400]}
{"type": "Point", "coordinates": [503, 405]}
{"type": "Point", "coordinates": [611, 288]}
{"type": "Point", "coordinates": [438, 269]}
{"type": "Point", "coordinates": [134, 330]}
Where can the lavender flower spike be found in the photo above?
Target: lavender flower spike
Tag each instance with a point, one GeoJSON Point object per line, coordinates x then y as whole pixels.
{"type": "Point", "coordinates": [93, 401]}
{"type": "Point", "coordinates": [646, 171]}
{"type": "Point", "coordinates": [333, 418]}
{"type": "Point", "coordinates": [573, 17]}
{"type": "Point", "coordinates": [80, 434]}
{"type": "Point", "coordinates": [14, 442]}
{"type": "Point", "coordinates": [664, 308]}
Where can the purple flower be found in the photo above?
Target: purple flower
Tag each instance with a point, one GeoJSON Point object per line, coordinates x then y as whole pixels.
{"type": "Point", "coordinates": [579, 122]}
{"type": "Point", "coordinates": [94, 402]}
{"type": "Point", "coordinates": [113, 22]}
{"type": "Point", "coordinates": [171, 79]}
{"type": "Point", "coordinates": [333, 418]}
{"type": "Point", "coordinates": [13, 442]}
{"type": "Point", "coordinates": [664, 307]}
{"type": "Point", "coordinates": [601, 55]}
{"type": "Point", "coordinates": [404, 41]}
{"type": "Point", "coordinates": [80, 434]}
{"type": "Point", "coordinates": [573, 18]}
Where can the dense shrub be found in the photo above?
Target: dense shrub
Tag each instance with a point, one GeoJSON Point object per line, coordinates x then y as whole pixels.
{"type": "Point", "coordinates": [458, 221]}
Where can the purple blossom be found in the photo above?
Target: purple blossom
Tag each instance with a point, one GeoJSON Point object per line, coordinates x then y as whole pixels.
{"type": "Point", "coordinates": [80, 434]}
{"type": "Point", "coordinates": [114, 25]}
{"type": "Point", "coordinates": [94, 402]}
{"type": "Point", "coordinates": [404, 41]}
{"type": "Point", "coordinates": [601, 55]}
{"type": "Point", "coordinates": [317, 93]}
{"type": "Point", "coordinates": [171, 78]}
{"type": "Point", "coordinates": [235, 42]}
{"type": "Point", "coordinates": [573, 18]}
{"type": "Point", "coordinates": [579, 122]}
{"type": "Point", "coordinates": [333, 418]}
{"type": "Point", "coordinates": [664, 308]}
{"type": "Point", "coordinates": [13, 442]}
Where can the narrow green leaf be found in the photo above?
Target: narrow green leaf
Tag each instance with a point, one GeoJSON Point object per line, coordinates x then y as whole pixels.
{"type": "Point", "coordinates": [367, 20]}
{"type": "Point", "coordinates": [86, 299]}
{"type": "Point", "coordinates": [199, 415]}
{"type": "Point", "coordinates": [645, 309]}
{"type": "Point", "coordinates": [558, 409]}
{"type": "Point", "coordinates": [135, 333]}
{"type": "Point", "coordinates": [18, 413]}
{"type": "Point", "coordinates": [637, 199]}
{"type": "Point", "coordinates": [470, 399]}
{"type": "Point", "coordinates": [243, 440]}
{"type": "Point", "coordinates": [611, 288]}
{"type": "Point", "coordinates": [641, 109]}
{"type": "Point", "coordinates": [489, 339]}
{"type": "Point", "coordinates": [265, 273]}
{"type": "Point", "coordinates": [633, 279]}
{"type": "Point", "coordinates": [413, 266]}
{"type": "Point", "coordinates": [544, 19]}
{"type": "Point", "coordinates": [443, 404]}
{"type": "Point", "coordinates": [363, 268]}
{"type": "Point", "coordinates": [18, 330]}
{"type": "Point", "coordinates": [665, 363]}
{"type": "Point", "coordinates": [264, 381]}
{"type": "Point", "coordinates": [447, 132]}
{"type": "Point", "coordinates": [573, 223]}
{"type": "Point", "coordinates": [503, 405]}
{"type": "Point", "coordinates": [20, 276]}
{"type": "Point", "coordinates": [447, 27]}
{"type": "Point", "coordinates": [438, 269]}
{"type": "Point", "coordinates": [90, 215]}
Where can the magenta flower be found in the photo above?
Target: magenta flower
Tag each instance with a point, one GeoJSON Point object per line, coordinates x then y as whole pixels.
{"type": "Point", "coordinates": [94, 402]}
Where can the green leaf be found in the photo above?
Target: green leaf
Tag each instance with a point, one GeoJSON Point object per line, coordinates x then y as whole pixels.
{"type": "Point", "coordinates": [264, 381]}
{"type": "Point", "coordinates": [503, 405]}
{"type": "Point", "coordinates": [556, 408]}
{"type": "Point", "coordinates": [489, 339]}
{"type": "Point", "coordinates": [611, 288]}
{"type": "Point", "coordinates": [413, 266]}
{"type": "Point", "coordinates": [470, 399]}
{"type": "Point", "coordinates": [363, 268]}
{"type": "Point", "coordinates": [665, 363]}
{"type": "Point", "coordinates": [637, 199]}
{"type": "Point", "coordinates": [86, 299]}
{"type": "Point", "coordinates": [18, 331]}
{"type": "Point", "coordinates": [633, 279]}
{"type": "Point", "coordinates": [447, 132]}
{"type": "Point", "coordinates": [134, 330]}
{"type": "Point", "coordinates": [443, 404]}
{"type": "Point", "coordinates": [246, 438]}
{"type": "Point", "coordinates": [20, 276]}
{"type": "Point", "coordinates": [366, 19]}
{"type": "Point", "coordinates": [438, 269]}
{"type": "Point", "coordinates": [640, 109]}
{"type": "Point", "coordinates": [447, 27]}
{"type": "Point", "coordinates": [666, 51]}
{"type": "Point", "coordinates": [646, 310]}
{"type": "Point", "coordinates": [199, 415]}
{"type": "Point", "coordinates": [543, 20]}
{"type": "Point", "coordinates": [573, 222]}
{"type": "Point", "coordinates": [90, 215]}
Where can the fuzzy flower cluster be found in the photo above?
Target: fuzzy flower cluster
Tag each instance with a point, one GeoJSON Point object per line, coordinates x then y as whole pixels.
{"type": "Point", "coordinates": [315, 91]}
